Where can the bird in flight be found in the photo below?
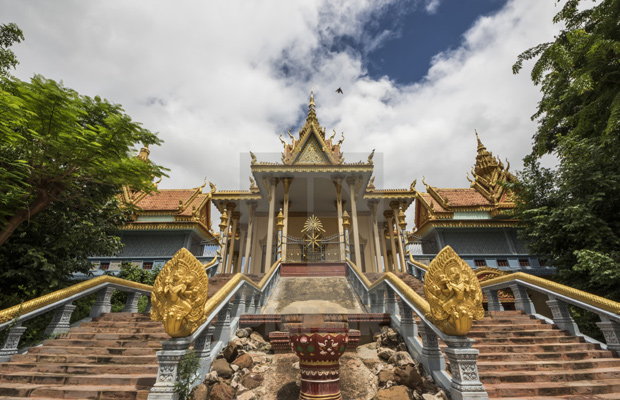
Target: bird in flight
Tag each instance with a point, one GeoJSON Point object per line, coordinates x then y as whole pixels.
{"type": "Point", "coordinates": [339, 90]}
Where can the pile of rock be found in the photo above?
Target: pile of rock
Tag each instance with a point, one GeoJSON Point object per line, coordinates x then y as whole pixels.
{"type": "Point", "coordinates": [237, 369]}
{"type": "Point", "coordinates": [398, 375]}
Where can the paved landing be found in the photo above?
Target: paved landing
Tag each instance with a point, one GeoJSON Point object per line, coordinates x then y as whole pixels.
{"type": "Point", "coordinates": [312, 295]}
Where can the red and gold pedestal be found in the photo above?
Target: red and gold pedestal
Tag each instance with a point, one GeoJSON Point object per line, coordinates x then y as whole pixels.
{"type": "Point", "coordinates": [319, 345]}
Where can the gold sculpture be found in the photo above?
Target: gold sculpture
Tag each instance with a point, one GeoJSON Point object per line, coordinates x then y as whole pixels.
{"type": "Point", "coordinates": [453, 293]}
{"type": "Point", "coordinates": [179, 294]}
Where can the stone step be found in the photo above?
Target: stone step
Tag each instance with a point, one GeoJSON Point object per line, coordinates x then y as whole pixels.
{"type": "Point", "coordinates": [124, 324]}
{"type": "Point", "coordinates": [535, 340]}
{"type": "Point", "coordinates": [516, 333]}
{"type": "Point", "coordinates": [595, 374]}
{"type": "Point", "coordinates": [601, 396]}
{"type": "Point", "coordinates": [485, 348]}
{"type": "Point", "coordinates": [112, 351]}
{"type": "Point", "coordinates": [122, 316]}
{"type": "Point", "coordinates": [114, 329]}
{"type": "Point", "coordinates": [117, 336]}
{"type": "Point", "coordinates": [611, 386]}
{"type": "Point", "coordinates": [140, 381]}
{"type": "Point", "coordinates": [573, 355]}
{"type": "Point", "coordinates": [73, 392]}
{"type": "Point", "coordinates": [488, 366]}
{"type": "Point", "coordinates": [75, 368]}
{"type": "Point", "coordinates": [84, 359]}
{"type": "Point", "coordinates": [511, 327]}
{"type": "Point", "coordinates": [153, 344]}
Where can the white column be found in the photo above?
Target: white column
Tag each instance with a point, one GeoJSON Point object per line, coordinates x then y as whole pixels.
{"type": "Point", "coordinates": [375, 234]}
{"type": "Point", "coordinates": [273, 183]}
{"type": "Point", "coordinates": [287, 184]}
{"type": "Point", "coordinates": [401, 253]}
{"type": "Point", "coordinates": [248, 244]}
{"type": "Point", "coordinates": [388, 215]}
{"type": "Point", "coordinates": [338, 184]}
{"type": "Point", "coordinates": [231, 251]}
{"type": "Point", "coordinates": [386, 263]}
{"type": "Point", "coordinates": [243, 236]}
{"type": "Point", "coordinates": [353, 189]}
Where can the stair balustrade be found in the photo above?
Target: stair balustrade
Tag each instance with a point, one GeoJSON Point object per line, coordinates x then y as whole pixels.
{"type": "Point", "coordinates": [559, 297]}
{"type": "Point", "coordinates": [462, 382]}
{"type": "Point", "coordinates": [60, 302]}
{"type": "Point", "coordinates": [238, 296]}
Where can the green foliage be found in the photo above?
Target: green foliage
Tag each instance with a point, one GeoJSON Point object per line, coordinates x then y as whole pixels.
{"type": "Point", "coordinates": [572, 213]}
{"type": "Point", "coordinates": [188, 366]}
{"type": "Point", "coordinates": [9, 34]}
{"type": "Point", "coordinates": [54, 142]}
{"type": "Point", "coordinates": [132, 273]}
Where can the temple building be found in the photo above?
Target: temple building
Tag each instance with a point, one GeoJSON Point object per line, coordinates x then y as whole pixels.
{"type": "Point", "coordinates": [297, 210]}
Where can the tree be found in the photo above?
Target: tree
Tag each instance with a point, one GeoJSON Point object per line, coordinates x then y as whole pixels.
{"type": "Point", "coordinates": [55, 142]}
{"type": "Point", "coordinates": [572, 213]}
{"type": "Point", "coordinates": [9, 34]}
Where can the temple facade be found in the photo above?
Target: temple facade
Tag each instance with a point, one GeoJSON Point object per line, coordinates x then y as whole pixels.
{"type": "Point", "coordinates": [314, 208]}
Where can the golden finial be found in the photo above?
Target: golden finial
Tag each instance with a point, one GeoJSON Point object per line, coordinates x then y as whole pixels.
{"type": "Point", "coordinates": [412, 187]}
{"type": "Point", "coordinates": [213, 188]}
{"type": "Point", "coordinates": [346, 220]}
{"type": "Point", "coordinates": [289, 134]}
{"type": "Point", "coordinates": [280, 218]}
{"type": "Point", "coordinates": [311, 104]}
{"type": "Point", "coordinates": [341, 140]}
{"type": "Point", "coordinates": [424, 182]}
{"type": "Point", "coordinates": [203, 185]}
{"type": "Point", "coordinates": [480, 145]}
{"type": "Point", "coordinates": [252, 182]}
{"type": "Point", "coordinates": [144, 154]}
{"type": "Point", "coordinates": [371, 156]}
{"type": "Point", "coordinates": [253, 158]}
{"type": "Point", "coordinates": [283, 142]}
{"type": "Point", "coordinates": [332, 136]}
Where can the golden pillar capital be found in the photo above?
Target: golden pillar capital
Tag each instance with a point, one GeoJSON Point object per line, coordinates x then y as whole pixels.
{"type": "Point", "coordinates": [287, 183]}
{"type": "Point", "coordinates": [401, 218]}
{"type": "Point", "coordinates": [223, 221]}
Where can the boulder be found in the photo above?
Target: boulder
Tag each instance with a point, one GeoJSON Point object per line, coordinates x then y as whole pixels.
{"type": "Point", "coordinates": [393, 393]}
{"type": "Point", "coordinates": [247, 396]}
{"type": "Point", "coordinates": [409, 376]}
{"type": "Point", "coordinates": [255, 336]}
{"type": "Point", "coordinates": [199, 392]}
{"type": "Point", "coordinates": [385, 376]}
{"type": "Point", "coordinates": [222, 368]}
{"type": "Point", "coordinates": [252, 381]}
{"type": "Point", "coordinates": [231, 351]}
{"type": "Point", "coordinates": [211, 377]}
{"type": "Point", "coordinates": [400, 358]}
{"type": "Point", "coordinates": [385, 353]}
{"type": "Point", "coordinates": [244, 361]}
{"type": "Point", "coordinates": [221, 391]}
{"type": "Point", "coordinates": [389, 337]}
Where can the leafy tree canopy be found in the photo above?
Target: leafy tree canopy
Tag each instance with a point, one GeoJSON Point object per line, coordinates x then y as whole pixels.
{"type": "Point", "coordinates": [572, 213]}
{"type": "Point", "coordinates": [55, 142]}
{"type": "Point", "coordinates": [9, 34]}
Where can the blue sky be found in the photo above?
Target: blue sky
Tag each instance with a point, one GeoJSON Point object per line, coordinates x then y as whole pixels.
{"type": "Point", "coordinates": [218, 81]}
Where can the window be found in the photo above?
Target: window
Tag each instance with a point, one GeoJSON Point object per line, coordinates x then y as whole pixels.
{"type": "Point", "coordinates": [104, 266]}
{"type": "Point", "coordinates": [524, 262]}
{"type": "Point", "coordinates": [502, 263]}
{"type": "Point", "coordinates": [480, 263]}
{"type": "Point", "coordinates": [147, 265]}
{"type": "Point", "coordinates": [542, 262]}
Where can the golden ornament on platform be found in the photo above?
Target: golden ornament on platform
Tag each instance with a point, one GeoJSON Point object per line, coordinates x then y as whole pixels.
{"type": "Point", "coordinates": [179, 294]}
{"type": "Point", "coordinates": [453, 293]}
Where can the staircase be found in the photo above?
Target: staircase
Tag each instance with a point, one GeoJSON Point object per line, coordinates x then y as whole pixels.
{"type": "Point", "coordinates": [111, 357]}
{"type": "Point", "coordinates": [522, 358]}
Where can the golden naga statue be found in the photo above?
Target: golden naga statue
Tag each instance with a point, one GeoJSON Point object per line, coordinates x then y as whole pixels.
{"type": "Point", "coordinates": [179, 294]}
{"type": "Point", "coordinates": [453, 293]}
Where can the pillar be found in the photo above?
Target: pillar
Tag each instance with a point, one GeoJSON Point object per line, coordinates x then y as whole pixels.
{"type": "Point", "coordinates": [248, 242]}
{"type": "Point", "coordinates": [338, 184]}
{"type": "Point", "coordinates": [386, 263]}
{"type": "Point", "coordinates": [231, 251]}
{"type": "Point", "coordinates": [401, 253]}
{"type": "Point", "coordinates": [345, 227]}
{"type": "Point", "coordinates": [353, 188]}
{"type": "Point", "coordinates": [280, 228]}
{"type": "Point", "coordinates": [388, 215]}
{"type": "Point", "coordinates": [223, 225]}
{"type": "Point", "coordinates": [375, 234]}
{"type": "Point", "coordinates": [243, 236]}
{"type": "Point", "coordinates": [286, 182]}
{"type": "Point", "coordinates": [271, 192]}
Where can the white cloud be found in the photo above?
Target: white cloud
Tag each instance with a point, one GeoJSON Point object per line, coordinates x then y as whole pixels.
{"type": "Point", "coordinates": [218, 81]}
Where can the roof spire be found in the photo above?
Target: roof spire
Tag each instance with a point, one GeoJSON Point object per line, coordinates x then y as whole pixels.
{"type": "Point", "coordinates": [480, 145]}
{"type": "Point", "coordinates": [311, 113]}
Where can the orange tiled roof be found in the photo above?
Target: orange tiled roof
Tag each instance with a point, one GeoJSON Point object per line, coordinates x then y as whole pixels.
{"type": "Point", "coordinates": [463, 197]}
{"type": "Point", "coordinates": [195, 203]}
{"type": "Point", "coordinates": [166, 199]}
{"type": "Point", "coordinates": [436, 206]}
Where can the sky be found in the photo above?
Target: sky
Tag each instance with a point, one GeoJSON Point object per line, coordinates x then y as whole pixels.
{"type": "Point", "coordinates": [220, 79]}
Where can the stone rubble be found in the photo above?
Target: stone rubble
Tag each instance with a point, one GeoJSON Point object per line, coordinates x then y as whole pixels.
{"type": "Point", "coordinates": [247, 370]}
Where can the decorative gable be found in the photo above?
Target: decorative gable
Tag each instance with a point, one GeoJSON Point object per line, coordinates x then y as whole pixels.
{"type": "Point", "coordinates": [312, 154]}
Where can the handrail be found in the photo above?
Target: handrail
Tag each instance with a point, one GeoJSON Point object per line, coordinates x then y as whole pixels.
{"type": "Point", "coordinates": [418, 301]}
{"type": "Point", "coordinates": [32, 305]}
{"type": "Point", "coordinates": [585, 297]}
{"type": "Point", "coordinates": [417, 263]}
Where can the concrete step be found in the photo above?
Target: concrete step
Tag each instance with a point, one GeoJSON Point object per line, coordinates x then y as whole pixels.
{"type": "Point", "coordinates": [536, 348]}
{"type": "Point", "coordinates": [566, 365]}
{"type": "Point", "coordinates": [594, 374]}
{"type": "Point", "coordinates": [520, 390]}
{"type": "Point", "coordinates": [534, 340]}
{"type": "Point", "coordinates": [143, 381]}
{"type": "Point", "coordinates": [20, 390]}
{"type": "Point", "coordinates": [84, 359]}
{"type": "Point", "coordinates": [111, 351]}
{"type": "Point", "coordinates": [75, 368]}
{"type": "Point", "coordinates": [117, 336]}
{"type": "Point", "coordinates": [63, 342]}
{"type": "Point", "coordinates": [573, 355]}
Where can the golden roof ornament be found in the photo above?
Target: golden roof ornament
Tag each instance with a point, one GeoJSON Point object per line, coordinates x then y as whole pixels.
{"type": "Point", "coordinates": [371, 156]}
{"type": "Point", "coordinates": [144, 154]}
{"type": "Point", "coordinates": [489, 174]}
{"type": "Point", "coordinates": [180, 294]}
{"type": "Point", "coordinates": [453, 293]}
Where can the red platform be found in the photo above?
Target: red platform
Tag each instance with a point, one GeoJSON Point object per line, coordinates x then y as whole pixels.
{"type": "Point", "coordinates": [313, 269]}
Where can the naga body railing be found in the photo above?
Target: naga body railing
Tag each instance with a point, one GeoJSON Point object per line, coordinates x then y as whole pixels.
{"type": "Point", "coordinates": [238, 296]}
{"type": "Point", "coordinates": [61, 303]}
{"type": "Point", "coordinates": [462, 382]}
